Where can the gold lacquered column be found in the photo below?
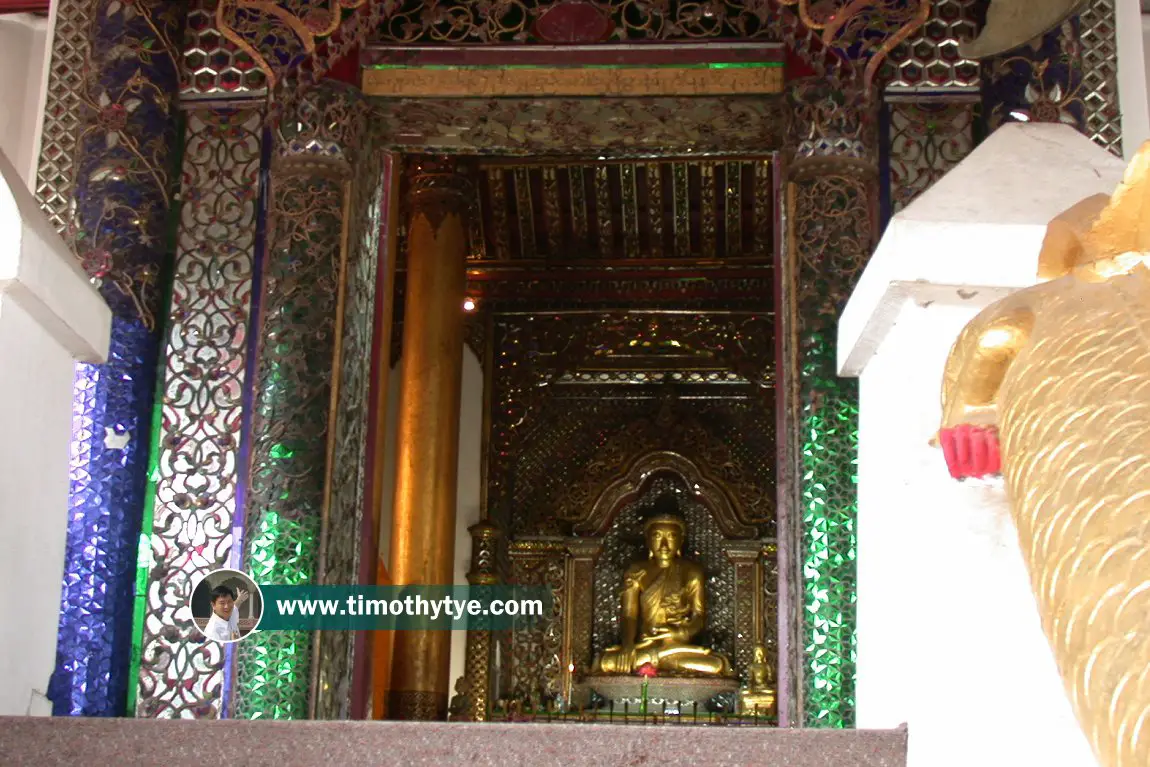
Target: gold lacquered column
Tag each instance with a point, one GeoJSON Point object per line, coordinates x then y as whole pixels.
{"type": "Point", "coordinates": [427, 437]}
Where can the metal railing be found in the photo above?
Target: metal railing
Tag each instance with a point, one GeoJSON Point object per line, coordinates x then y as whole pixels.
{"type": "Point", "coordinates": [654, 714]}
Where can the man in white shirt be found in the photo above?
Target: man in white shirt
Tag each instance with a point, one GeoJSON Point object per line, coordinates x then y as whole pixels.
{"type": "Point", "coordinates": [224, 625]}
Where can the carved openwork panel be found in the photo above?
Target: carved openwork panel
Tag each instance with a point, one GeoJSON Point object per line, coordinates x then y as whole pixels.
{"type": "Point", "coordinates": [340, 548]}
{"type": "Point", "coordinates": [925, 141]}
{"type": "Point", "coordinates": [770, 594]}
{"type": "Point", "coordinates": [602, 443]}
{"type": "Point", "coordinates": [537, 647]}
{"type": "Point", "coordinates": [212, 64]}
{"type": "Point", "coordinates": [627, 487]}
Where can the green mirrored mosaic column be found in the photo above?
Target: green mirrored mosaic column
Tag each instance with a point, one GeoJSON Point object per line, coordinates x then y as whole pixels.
{"type": "Point", "coordinates": [298, 350]}
{"type": "Point", "coordinates": [832, 196]}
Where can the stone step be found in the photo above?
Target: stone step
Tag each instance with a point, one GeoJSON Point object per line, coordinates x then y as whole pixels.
{"type": "Point", "coordinates": [129, 742]}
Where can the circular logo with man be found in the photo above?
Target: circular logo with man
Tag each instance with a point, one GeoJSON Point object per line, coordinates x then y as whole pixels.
{"type": "Point", "coordinates": [226, 606]}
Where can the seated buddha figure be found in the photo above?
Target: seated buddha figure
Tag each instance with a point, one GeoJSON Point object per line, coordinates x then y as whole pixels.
{"type": "Point", "coordinates": [663, 608]}
{"type": "Point", "coordinates": [758, 695]}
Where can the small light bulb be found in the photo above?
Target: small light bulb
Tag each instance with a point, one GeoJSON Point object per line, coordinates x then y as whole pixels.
{"type": "Point", "coordinates": [468, 305]}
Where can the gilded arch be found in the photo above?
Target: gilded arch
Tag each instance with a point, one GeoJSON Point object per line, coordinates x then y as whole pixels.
{"type": "Point", "coordinates": [630, 484]}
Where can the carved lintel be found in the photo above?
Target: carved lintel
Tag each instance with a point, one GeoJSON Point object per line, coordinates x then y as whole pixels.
{"type": "Point", "coordinates": [335, 168]}
{"type": "Point", "coordinates": [438, 187]}
{"type": "Point", "coordinates": [582, 549]}
{"type": "Point", "coordinates": [537, 547]}
{"type": "Point", "coordinates": [744, 551]}
{"type": "Point", "coordinates": [806, 168]}
{"type": "Point", "coordinates": [614, 128]}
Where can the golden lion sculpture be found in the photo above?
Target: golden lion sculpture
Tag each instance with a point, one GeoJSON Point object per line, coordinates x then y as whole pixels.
{"type": "Point", "coordinates": [1056, 378]}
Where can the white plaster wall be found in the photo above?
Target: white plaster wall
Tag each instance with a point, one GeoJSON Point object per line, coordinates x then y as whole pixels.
{"type": "Point", "coordinates": [1145, 72]}
{"type": "Point", "coordinates": [469, 486]}
{"type": "Point", "coordinates": [1132, 75]}
{"type": "Point", "coordinates": [50, 316]}
{"type": "Point", "coordinates": [949, 639]}
{"type": "Point", "coordinates": [35, 422]}
{"type": "Point", "coordinates": [23, 86]}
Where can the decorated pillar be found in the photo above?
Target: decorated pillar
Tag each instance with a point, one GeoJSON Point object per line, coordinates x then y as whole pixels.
{"type": "Point", "coordinates": [106, 178]}
{"type": "Point", "coordinates": [299, 348]}
{"type": "Point", "coordinates": [831, 202]}
{"type": "Point", "coordinates": [193, 514]}
{"type": "Point", "coordinates": [349, 542]}
{"type": "Point", "coordinates": [192, 510]}
{"type": "Point", "coordinates": [581, 557]}
{"type": "Point", "coordinates": [485, 543]}
{"type": "Point", "coordinates": [427, 436]}
{"type": "Point", "coordinates": [746, 556]}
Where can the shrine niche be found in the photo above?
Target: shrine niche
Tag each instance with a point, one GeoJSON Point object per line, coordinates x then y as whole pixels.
{"type": "Point", "coordinates": [595, 416]}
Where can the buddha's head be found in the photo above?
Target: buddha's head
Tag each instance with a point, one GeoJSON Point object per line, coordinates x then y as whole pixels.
{"type": "Point", "coordinates": [665, 535]}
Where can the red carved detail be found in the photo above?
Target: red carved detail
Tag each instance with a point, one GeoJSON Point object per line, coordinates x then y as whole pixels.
{"type": "Point", "coordinates": [573, 21]}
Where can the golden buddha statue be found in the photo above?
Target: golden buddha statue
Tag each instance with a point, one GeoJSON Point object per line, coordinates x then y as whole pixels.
{"type": "Point", "coordinates": [663, 608]}
{"type": "Point", "coordinates": [758, 696]}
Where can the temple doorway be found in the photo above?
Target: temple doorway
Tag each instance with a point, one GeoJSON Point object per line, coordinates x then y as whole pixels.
{"type": "Point", "coordinates": [624, 315]}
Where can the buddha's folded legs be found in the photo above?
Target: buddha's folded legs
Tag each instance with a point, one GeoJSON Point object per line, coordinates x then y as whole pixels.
{"type": "Point", "coordinates": [686, 659]}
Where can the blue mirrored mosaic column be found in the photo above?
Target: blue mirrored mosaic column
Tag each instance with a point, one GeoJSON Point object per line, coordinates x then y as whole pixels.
{"type": "Point", "coordinates": [122, 175]}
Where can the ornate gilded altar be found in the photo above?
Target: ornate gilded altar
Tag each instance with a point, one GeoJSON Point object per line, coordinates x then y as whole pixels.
{"type": "Point", "coordinates": [548, 661]}
{"type": "Point", "coordinates": [630, 437]}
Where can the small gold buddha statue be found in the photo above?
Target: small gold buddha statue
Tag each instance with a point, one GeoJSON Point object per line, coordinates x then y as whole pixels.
{"type": "Point", "coordinates": [663, 608]}
{"type": "Point", "coordinates": [758, 695]}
